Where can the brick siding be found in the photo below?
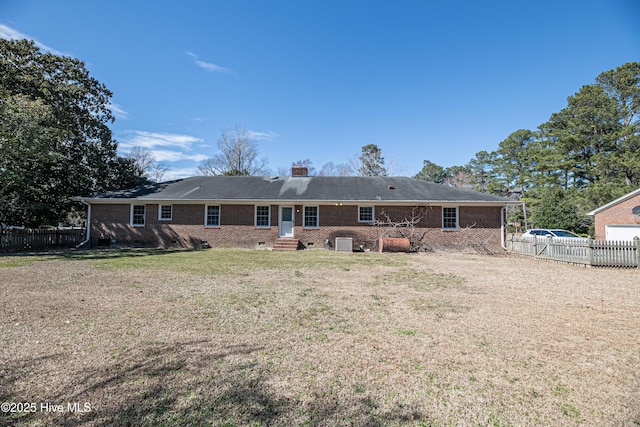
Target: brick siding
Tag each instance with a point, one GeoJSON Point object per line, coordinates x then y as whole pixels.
{"type": "Point", "coordinates": [479, 227]}
{"type": "Point", "coordinates": [618, 214]}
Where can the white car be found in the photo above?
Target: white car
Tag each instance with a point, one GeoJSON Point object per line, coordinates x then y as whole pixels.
{"type": "Point", "coordinates": [544, 233]}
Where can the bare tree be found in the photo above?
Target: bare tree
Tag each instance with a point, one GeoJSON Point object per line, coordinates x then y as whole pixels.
{"type": "Point", "coordinates": [143, 157]}
{"type": "Point", "coordinates": [157, 171]}
{"type": "Point", "coordinates": [422, 239]}
{"type": "Point", "coordinates": [238, 155]}
{"type": "Point", "coordinates": [459, 179]}
{"type": "Point", "coordinates": [283, 171]}
{"type": "Point", "coordinates": [405, 228]}
{"type": "Point", "coordinates": [328, 169]}
{"type": "Point", "coordinates": [331, 169]}
{"type": "Point", "coordinates": [146, 162]}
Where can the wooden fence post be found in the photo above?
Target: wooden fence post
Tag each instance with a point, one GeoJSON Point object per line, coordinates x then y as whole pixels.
{"type": "Point", "coordinates": [590, 250]}
{"type": "Point", "coordinates": [636, 240]}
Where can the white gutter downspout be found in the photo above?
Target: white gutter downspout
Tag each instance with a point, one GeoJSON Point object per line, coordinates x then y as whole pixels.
{"type": "Point", "coordinates": [503, 228]}
{"type": "Point", "coordinates": [88, 224]}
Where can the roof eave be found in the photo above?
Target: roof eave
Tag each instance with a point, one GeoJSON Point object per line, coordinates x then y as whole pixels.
{"type": "Point", "coordinates": [614, 202]}
{"type": "Point", "coordinates": [129, 200]}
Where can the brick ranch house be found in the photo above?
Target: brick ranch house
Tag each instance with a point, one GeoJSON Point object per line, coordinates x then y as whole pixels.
{"type": "Point", "coordinates": [255, 212]}
{"type": "Point", "coordinates": [619, 219]}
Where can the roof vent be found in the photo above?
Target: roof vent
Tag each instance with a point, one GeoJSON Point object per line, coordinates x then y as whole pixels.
{"type": "Point", "coordinates": [392, 187]}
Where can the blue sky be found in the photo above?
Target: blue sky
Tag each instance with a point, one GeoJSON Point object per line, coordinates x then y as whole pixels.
{"type": "Point", "coordinates": [424, 80]}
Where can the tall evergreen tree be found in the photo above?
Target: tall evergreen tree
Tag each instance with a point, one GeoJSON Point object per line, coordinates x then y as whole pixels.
{"type": "Point", "coordinates": [623, 86]}
{"type": "Point", "coordinates": [585, 133]}
{"type": "Point", "coordinates": [431, 172]}
{"type": "Point", "coordinates": [555, 209]}
{"type": "Point", "coordinates": [482, 173]}
{"type": "Point", "coordinates": [513, 161]}
{"type": "Point", "coordinates": [371, 162]}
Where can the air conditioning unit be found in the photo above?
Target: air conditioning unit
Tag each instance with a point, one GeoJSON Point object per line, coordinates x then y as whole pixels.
{"type": "Point", "coordinates": [344, 244]}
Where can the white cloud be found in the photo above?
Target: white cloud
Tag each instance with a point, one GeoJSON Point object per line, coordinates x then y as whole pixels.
{"type": "Point", "coordinates": [262, 136]}
{"type": "Point", "coordinates": [117, 111]}
{"type": "Point", "coordinates": [9, 33]}
{"type": "Point", "coordinates": [164, 147]}
{"type": "Point", "coordinates": [178, 173]}
{"type": "Point", "coordinates": [208, 66]}
{"type": "Point", "coordinates": [212, 67]}
{"type": "Point", "coordinates": [176, 156]}
{"type": "Point", "coordinates": [152, 140]}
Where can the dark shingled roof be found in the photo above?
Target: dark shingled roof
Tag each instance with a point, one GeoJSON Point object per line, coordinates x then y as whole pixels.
{"type": "Point", "coordinates": [317, 188]}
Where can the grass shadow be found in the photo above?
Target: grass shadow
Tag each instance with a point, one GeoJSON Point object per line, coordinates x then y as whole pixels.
{"type": "Point", "coordinates": [106, 254]}
{"type": "Point", "coordinates": [189, 383]}
{"type": "Point", "coordinates": [26, 258]}
{"type": "Point", "coordinates": [156, 384]}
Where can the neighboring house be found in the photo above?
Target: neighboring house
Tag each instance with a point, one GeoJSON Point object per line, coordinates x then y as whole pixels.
{"type": "Point", "coordinates": [619, 219]}
{"type": "Point", "coordinates": [254, 212]}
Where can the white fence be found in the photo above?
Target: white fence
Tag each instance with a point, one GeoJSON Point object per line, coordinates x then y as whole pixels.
{"type": "Point", "coordinates": [598, 253]}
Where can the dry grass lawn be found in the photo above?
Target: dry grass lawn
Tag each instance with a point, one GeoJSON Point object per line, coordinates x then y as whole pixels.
{"type": "Point", "coordinates": [232, 337]}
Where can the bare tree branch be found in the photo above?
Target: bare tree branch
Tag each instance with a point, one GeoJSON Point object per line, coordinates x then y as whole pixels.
{"type": "Point", "coordinates": [404, 228]}
{"type": "Point", "coordinates": [146, 162]}
{"type": "Point", "coordinates": [238, 155]}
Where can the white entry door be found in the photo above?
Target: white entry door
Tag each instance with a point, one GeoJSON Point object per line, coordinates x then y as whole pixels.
{"type": "Point", "coordinates": [285, 227]}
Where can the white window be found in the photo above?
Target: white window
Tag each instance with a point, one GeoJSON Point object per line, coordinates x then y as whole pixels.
{"type": "Point", "coordinates": [365, 214]}
{"type": "Point", "coordinates": [263, 216]}
{"type": "Point", "coordinates": [137, 215]}
{"type": "Point", "coordinates": [165, 212]}
{"type": "Point", "coordinates": [212, 216]}
{"type": "Point", "coordinates": [450, 218]}
{"type": "Point", "coordinates": [311, 217]}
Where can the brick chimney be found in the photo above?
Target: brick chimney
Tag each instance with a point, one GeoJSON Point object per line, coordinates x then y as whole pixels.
{"type": "Point", "coordinates": [299, 171]}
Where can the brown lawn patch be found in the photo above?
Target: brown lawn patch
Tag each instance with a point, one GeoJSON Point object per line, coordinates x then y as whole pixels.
{"type": "Point", "coordinates": [317, 338]}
